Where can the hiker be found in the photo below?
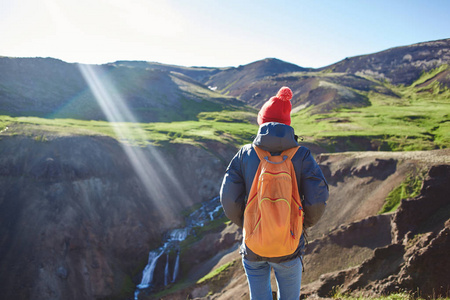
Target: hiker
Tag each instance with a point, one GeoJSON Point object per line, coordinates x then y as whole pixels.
{"type": "Point", "coordinates": [275, 135]}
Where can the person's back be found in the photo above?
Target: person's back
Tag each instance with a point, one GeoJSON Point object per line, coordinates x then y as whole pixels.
{"type": "Point", "coordinates": [275, 135]}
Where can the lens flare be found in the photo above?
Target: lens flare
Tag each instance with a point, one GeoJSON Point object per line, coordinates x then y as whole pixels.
{"type": "Point", "coordinates": [151, 168]}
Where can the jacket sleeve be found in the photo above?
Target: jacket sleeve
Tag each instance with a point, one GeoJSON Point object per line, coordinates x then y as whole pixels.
{"type": "Point", "coordinates": [313, 189]}
{"type": "Point", "coordinates": [233, 192]}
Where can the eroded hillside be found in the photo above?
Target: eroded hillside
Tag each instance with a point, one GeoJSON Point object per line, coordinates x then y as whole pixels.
{"type": "Point", "coordinates": [82, 211]}
{"type": "Point", "coordinates": [353, 248]}
{"type": "Point", "coordinates": [76, 213]}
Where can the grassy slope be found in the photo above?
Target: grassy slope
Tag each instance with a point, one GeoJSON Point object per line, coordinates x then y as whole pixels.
{"type": "Point", "coordinates": [418, 119]}
{"type": "Point", "coordinates": [227, 127]}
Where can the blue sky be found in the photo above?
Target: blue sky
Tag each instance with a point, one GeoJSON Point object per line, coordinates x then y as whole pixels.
{"type": "Point", "coordinates": [213, 33]}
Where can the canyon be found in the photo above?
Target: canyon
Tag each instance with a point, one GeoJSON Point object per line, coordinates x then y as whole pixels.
{"type": "Point", "coordinates": [74, 213]}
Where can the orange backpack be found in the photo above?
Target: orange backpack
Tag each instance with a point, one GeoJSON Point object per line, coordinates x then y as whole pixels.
{"type": "Point", "coordinates": [273, 216]}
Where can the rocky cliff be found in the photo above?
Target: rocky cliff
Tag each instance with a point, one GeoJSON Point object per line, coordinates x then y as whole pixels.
{"type": "Point", "coordinates": [78, 216]}
{"type": "Point", "coordinates": [413, 255]}
{"type": "Point", "coordinates": [74, 212]}
{"type": "Point", "coordinates": [353, 249]}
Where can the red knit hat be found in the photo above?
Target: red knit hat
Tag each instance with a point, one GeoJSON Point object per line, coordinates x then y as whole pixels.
{"type": "Point", "coordinates": [278, 108]}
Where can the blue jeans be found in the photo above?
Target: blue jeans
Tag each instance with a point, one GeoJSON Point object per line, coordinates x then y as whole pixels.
{"type": "Point", "coordinates": [288, 275]}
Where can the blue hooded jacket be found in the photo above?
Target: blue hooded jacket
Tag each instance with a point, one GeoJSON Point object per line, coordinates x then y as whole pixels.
{"type": "Point", "coordinates": [275, 138]}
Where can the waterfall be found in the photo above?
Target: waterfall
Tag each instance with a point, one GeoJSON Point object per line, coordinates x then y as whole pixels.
{"type": "Point", "coordinates": [179, 234]}
{"type": "Point", "coordinates": [177, 265]}
{"type": "Point", "coordinates": [147, 274]}
{"type": "Point", "coordinates": [166, 271]}
{"type": "Point", "coordinates": [197, 218]}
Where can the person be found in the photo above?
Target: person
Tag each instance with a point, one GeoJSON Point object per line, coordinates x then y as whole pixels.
{"type": "Point", "coordinates": [274, 135]}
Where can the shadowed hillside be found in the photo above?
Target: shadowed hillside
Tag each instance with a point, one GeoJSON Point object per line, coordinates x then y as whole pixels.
{"type": "Point", "coordinates": [50, 88]}
{"type": "Point", "coordinates": [200, 74]}
{"type": "Point", "coordinates": [323, 92]}
{"type": "Point", "coordinates": [235, 81]}
{"type": "Point", "coordinates": [78, 216]}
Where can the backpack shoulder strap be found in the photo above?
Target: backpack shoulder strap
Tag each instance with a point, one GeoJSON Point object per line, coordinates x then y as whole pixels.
{"type": "Point", "coordinates": [290, 152]}
{"type": "Point", "coordinates": [261, 153]}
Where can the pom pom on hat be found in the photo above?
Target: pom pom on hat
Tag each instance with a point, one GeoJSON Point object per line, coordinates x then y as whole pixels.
{"type": "Point", "coordinates": [284, 94]}
{"type": "Point", "coordinates": [277, 108]}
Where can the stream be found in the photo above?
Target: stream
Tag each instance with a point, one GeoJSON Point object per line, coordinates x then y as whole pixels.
{"type": "Point", "coordinates": [173, 238]}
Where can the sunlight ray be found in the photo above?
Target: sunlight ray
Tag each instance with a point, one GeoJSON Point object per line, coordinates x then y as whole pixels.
{"type": "Point", "coordinates": [153, 171]}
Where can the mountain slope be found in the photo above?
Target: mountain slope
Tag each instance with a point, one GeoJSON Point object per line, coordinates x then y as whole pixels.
{"type": "Point", "coordinates": [200, 74]}
{"type": "Point", "coordinates": [234, 81]}
{"type": "Point", "coordinates": [47, 87]}
{"type": "Point", "coordinates": [51, 88]}
{"type": "Point", "coordinates": [341, 85]}
{"type": "Point", "coordinates": [399, 65]}
{"type": "Point", "coordinates": [323, 92]}
{"type": "Point", "coordinates": [257, 82]}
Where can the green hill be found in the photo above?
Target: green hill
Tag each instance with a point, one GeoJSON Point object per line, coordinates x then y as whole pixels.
{"type": "Point", "coordinates": [414, 117]}
{"type": "Point", "coordinates": [49, 88]}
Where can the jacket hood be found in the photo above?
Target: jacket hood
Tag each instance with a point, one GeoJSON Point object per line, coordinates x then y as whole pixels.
{"type": "Point", "coordinates": [275, 137]}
